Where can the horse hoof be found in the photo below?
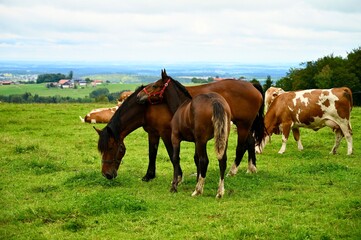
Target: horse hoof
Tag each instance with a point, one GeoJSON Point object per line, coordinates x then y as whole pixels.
{"type": "Point", "coordinates": [147, 178]}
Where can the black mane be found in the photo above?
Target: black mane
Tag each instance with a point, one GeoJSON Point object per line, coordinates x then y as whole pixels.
{"type": "Point", "coordinates": [111, 130]}
{"type": "Point", "coordinates": [181, 88]}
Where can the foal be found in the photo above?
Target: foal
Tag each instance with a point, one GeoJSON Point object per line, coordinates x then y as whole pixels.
{"type": "Point", "coordinates": [198, 120]}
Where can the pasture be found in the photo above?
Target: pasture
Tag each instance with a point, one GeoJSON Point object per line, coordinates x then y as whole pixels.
{"type": "Point", "coordinates": [80, 92]}
{"type": "Point", "coordinates": [51, 185]}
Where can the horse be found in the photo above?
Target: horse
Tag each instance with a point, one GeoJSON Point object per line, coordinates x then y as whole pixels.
{"type": "Point", "coordinates": [100, 115]}
{"type": "Point", "coordinates": [197, 120]}
{"type": "Point", "coordinates": [131, 115]}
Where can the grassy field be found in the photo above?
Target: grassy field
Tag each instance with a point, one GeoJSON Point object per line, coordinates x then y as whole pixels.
{"type": "Point", "coordinates": [51, 186]}
{"type": "Point", "coordinates": [42, 90]}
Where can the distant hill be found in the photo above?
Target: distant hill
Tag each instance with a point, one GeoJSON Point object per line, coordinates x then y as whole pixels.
{"type": "Point", "coordinates": [147, 72]}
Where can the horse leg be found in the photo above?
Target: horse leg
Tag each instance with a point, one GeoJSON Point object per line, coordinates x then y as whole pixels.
{"type": "Point", "coordinates": [297, 137]}
{"type": "Point", "coordinates": [222, 169]}
{"type": "Point", "coordinates": [176, 166]}
{"type": "Point", "coordinates": [240, 150]}
{"type": "Point", "coordinates": [168, 145]}
{"type": "Point", "coordinates": [201, 149]}
{"type": "Point", "coordinates": [251, 154]}
{"type": "Point", "coordinates": [153, 143]}
{"type": "Point", "coordinates": [285, 133]}
{"type": "Point", "coordinates": [196, 162]}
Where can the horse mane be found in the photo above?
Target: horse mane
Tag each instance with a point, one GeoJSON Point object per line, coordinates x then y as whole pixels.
{"type": "Point", "coordinates": [181, 88]}
{"type": "Point", "coordinates": [111, 130]}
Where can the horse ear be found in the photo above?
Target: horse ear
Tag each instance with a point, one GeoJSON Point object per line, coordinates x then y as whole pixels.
{"type": "Point", "coordinates": [164, 74]}
{"type": "Point", "coordinates": [98, 130]}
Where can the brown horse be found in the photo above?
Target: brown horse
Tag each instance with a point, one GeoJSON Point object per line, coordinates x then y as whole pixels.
{"type": "Point", "coordinates": [196, 120]}
{"type": "Point", "coordinates": [131, 115]}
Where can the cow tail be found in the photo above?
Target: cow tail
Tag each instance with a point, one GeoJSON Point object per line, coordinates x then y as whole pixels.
{"type": "Point", "coordinates": [221, 128]}
{"type": "Point", "coordinates": [348, 94]}
{"type": "Point", "coordinates": [258, 127]}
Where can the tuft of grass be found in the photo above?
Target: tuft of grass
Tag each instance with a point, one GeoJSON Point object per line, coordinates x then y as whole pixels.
{"type": "Point", "coordinates": [25, 149]}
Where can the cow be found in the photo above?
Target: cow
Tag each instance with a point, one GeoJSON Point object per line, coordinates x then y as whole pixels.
{"type": "Point", "coordinates": [314, 109]}
{"type": "Point", "coordinates": [124, 95]}
{"type": "Point", "coordinates": [101, 115]}
{"type": "Point", "coordinates": [270, 95]}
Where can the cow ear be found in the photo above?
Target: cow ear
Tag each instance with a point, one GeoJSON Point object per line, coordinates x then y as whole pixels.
{"type": "Point", "coordinates": [164, 74]}
{"type": "Point", "coordinates": [98, 130]}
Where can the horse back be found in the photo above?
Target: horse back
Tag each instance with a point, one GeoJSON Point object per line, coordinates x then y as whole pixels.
{"type": "Point", "coordinates": [242, 97]}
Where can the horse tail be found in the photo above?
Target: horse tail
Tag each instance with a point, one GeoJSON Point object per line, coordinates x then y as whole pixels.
{"type": "Point", "coordinates": [221, 128]}
{"type": "Point", "coordinates": [258, 127]}
{"type": "Point", "coordinates": [82, 119]}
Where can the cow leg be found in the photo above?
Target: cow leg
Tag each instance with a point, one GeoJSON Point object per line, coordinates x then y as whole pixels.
{"type": "Point", "coordinates": [338, 138]}
{"type": "Point", "coordinates": [341, 130]}
{"type": "Point", "coordinates": [347, 132]}
{"type": "Point", "coordinates": [285, 133]}
{"type": "Point", "coordinates": [297, 137]}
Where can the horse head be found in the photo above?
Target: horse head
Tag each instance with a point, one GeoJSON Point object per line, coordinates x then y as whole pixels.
{"type": "Point", "coordinates": [154, 92]}
{"type": "Point", "coordinates": [112, 151]}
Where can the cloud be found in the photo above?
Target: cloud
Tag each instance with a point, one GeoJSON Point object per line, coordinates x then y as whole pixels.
{"type": "Point", "coordinates": [228, 30]}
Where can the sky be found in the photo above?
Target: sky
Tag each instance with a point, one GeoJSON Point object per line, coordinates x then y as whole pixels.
{"type": "Point", "coordinates": [247, 31]}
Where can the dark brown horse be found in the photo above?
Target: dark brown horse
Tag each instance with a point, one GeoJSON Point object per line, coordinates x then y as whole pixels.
{"type": "Point", "coordinates": [197, 120]}
{"type": "Point", "coordinates": [131, 115]}
{"type": "Point", "coordinates": [155, 120]}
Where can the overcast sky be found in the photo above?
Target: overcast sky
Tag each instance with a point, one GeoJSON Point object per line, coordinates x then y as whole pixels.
{"type": "Point", "coordinates": [242, 31]}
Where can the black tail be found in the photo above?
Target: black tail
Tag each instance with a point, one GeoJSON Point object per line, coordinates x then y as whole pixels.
{"type": "Point", "coordinates": [258, 128]}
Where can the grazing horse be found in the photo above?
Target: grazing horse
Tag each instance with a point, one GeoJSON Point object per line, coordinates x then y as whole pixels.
{"type": "Point", "coordinates": [243, 98]}
{"type": "Point", "coordinates": [195, 120]}
{"type": "Point", "coordinates": [100, 115]}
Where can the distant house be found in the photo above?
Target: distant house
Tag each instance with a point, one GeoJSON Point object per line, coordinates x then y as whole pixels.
{"type": "Point", "coordinates": [65, 83]}
{"type": "Point", "coordinates": [96, 82]}
{"type": "Point", "coordinates": [82, 83]}
{"type": "Point", "coordinates": [6, 82]}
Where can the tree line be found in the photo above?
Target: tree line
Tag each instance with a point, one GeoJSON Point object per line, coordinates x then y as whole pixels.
{"type": "Point", "coordinates": [99, 95]}
{"type": "Point", "coordinates": [326, 72]}
{"type": "Point", "coordinates": [53, 77]}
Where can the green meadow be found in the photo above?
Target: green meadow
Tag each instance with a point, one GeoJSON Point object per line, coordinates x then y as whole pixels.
{"type": "Point", "coordinates": [80, 92]}
{"type": "Point", "coordinates": [51, 185]}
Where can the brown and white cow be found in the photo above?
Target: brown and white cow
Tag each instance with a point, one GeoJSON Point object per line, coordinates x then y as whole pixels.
{"type": "Point", "coordinates": [314, 109]}
{"type": "Point", "coordinates": [124, 95]}
{"type": "Point", "coordinates": [101, 115]}
{"type": "Point", "coordinates": [270, 95]}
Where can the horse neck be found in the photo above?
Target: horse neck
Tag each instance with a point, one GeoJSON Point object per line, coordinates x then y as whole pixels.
{"type": "Point", "coordinates": [127, 118]}
{"type": "Point", "coordinates": [175, 98]}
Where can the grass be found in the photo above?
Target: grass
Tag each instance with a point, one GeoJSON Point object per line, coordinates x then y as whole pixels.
{"type": "Point", "coordinates": [51, 186]}
{"type": "Point", "coordinates": [42, 90]}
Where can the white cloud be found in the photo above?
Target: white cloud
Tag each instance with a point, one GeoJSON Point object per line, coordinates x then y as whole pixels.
{"type": "Point", "coordinates": [244, 31]}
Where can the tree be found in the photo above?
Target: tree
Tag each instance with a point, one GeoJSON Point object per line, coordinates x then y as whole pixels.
{"type": "Point", "coordinates": [268, 83]}
{"type": "Point", "coordinates": [43, 78]}
{"type": "Point", "coordinates": [70, 75]}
